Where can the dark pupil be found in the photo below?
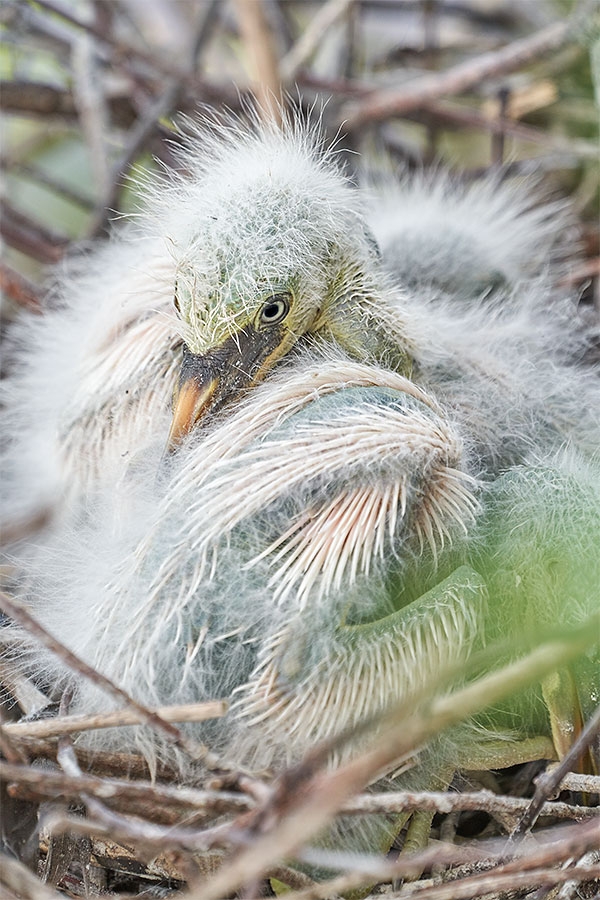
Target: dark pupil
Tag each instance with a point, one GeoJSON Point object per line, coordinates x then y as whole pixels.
{"type": "Point", "coordinates": [272, 310]}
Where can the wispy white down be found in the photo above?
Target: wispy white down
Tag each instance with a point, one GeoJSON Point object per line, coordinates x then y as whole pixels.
{"type": "Point", "coordinates": [340, 533]}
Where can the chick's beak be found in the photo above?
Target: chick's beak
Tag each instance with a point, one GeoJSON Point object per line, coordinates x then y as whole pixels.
{"type": "Point", "coordinates": [209, 381]}
{"type": "Point", "coordinates": [192, 400]}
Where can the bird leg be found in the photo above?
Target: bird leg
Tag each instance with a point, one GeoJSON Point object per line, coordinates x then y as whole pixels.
{"type": "Point", "coordinates": [313, 680]}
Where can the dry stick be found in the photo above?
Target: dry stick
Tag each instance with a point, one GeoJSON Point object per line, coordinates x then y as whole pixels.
{"type": "Point", "coordinates": [36, 174]}
{"type": "Point", "coordinates": [549, 782]}
{"type": "Point", "coordinates": [485, 801]}
{"type": "Point", "coordinates": [92, 108]}
{"type": "Point", "coordinates": [312, 36]}
{"type": "Point", "coordinates": [191, 712]}
{"type": "Point", "coordinates": [138, 137]}
{"type": "Point", "coordinates": [562, 844]}
{"type": "Point", "coordinates": [148, 717]}
{"type": "Point", "coordinates": [459, 115]}
{"type": "Point", "coordinates": [159, 838]}
{"type": "Point", "coordinates": [37, 99]}
{"type": "Point", "coordinates": [10, 751]}
{"type": "Point", "coordinates": [456, 80]}
{"type": "Point", "coordinates": [21, 291]}
{"type": "Point", "coordinates": [124, 53]}
{"type": "Point", "coordinates": [264, 66]}
{"type": "Point", "coordinates": [30, 237]}
{"type": "Point", "coordinates": [321, 796]}
{"type": "Point", "coordinates": [145, 127]}
{"type": "Point", "coordinates": [143, 131]}
{"type": "Point", "coordinates": [479, 885]}
{"type": "Point", "coordinates": [123, 49]}
{"type": "Point", "coordinates": [21, 881]}
{"type": "Point", "coordinates": [462, 889]}
{"type": "Point", "coordinates": [587, 784]}
{"type": "Point", "coordinates": [43, 100]}
{"type": "Point", "coordinates": [48, 783]}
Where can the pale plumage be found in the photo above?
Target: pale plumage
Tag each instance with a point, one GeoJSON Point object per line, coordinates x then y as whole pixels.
{"type": "Point", "coordinates": [318, 546]}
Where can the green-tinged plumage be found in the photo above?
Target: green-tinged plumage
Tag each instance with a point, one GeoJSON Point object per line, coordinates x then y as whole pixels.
{"type": "Point", "coordinates": [377, 484]}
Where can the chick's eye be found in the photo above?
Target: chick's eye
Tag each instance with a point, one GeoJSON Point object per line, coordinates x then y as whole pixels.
{"type": "Point", "coordinates": [274, 310]}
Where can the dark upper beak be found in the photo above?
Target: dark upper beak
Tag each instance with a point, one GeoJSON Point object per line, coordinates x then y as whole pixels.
{"type": "Point", "coordinates": [209, 381]}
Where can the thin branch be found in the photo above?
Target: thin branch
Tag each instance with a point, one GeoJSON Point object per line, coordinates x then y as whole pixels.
{"type": "Point", "coordinates": [29, 237]}
{"type": "Point", "coordinates": [124, 53]}
{"type": "Point", "coordinates": [260, 48]}
{"type": "Point", "coordinates": [24, 293]}
{"type": "Point", "coordinates": [21, 882]}
{"type": "Point", "coordinates": [560, 844]}
{"type": "Point", "coordinates": [549, 782]}
{"type": "Point", "coordinates": [574, 781]}
{"type": "Point", "coordinates": [460, 116]}
{"type": "Point", "coordinates": [484, 801]}
{"type": "Point", "coordinates": [37, 175]}
{"type": "Point", "coordinates": [398, 101]}
{"type": "Point", "coordinates": [47, 783]}
{"type": "Point", "coordinates": [193, 712]}
{"type": "Point", "coordinates": [285, 824]}
{"type": "Point", "coordinates": [150, 718]}
{"type": "Point", "coordinates": [144, 129]}
{"type": "Point", "coordinates": [328, 14]}
{"type": "Point", "coordinates": [37, 99]}
{"type": "Point", "coordinates": [90, 99]}
{"type": "Point", "coordinates": [479, 885]}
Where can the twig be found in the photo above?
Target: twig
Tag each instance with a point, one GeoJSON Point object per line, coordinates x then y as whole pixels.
{"type": "Point", "coordinates": [24, 293]}
{"type": "Point", "coordinates": [21, 882]}
{"type": "Point", "coordinates": [588, 784]}
{"type": "Point", "coordinates": [461, 116]}
{"type": "Point", "coordinates": [30, 237]}
{"type": "Point", "coordinates": [485, 801]}
{"type": "Point", "coordinates": [124, 53]}
{"type": "Point", "coordinates": [30, 699]}
{"type": "Point", "coordinates": [399, 101]}
{"type": "Point", "coordinates": [147, 125]}
{"type": "Point", "coordinates": [157, 798]}
{"type": "Point", "coordinates": [548, 783]}
{"type": "Point", "coordinates": [560, 844]}
{"type": "Point", "coordinates": [285, 824]}
{"type": "Point", "coordinates": [36, 174]}
{"type": "Point", "coordinates": [313, 34]}
{"type": "Point", "coordinates": [479, 885]}
{"type": "Point", "coordinates": [118, 827]}
{"type": "Point", "coordinates": [192, 712]}
{"type": "Point", "coordinates": [148, 717]}
{"type": "Point", "coordinates": [13, 753]}
{"type": "Point", "coordinates": [264, 66]}
{"type": "Point", "coordinates": [37, 99]}
{"type": "Point", "coordinates": [138, 138]}
{"type": "Point", "coordinates": [88, 93]}
{"type": "Point", "coordinates": [124, 50]}
{"type": "Point", "coordinates": [102, 762]}
{"type": "Point", "coordinates": [32, 98]}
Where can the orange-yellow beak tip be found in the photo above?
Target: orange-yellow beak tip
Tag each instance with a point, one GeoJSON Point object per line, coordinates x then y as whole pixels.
{"type": "Point", "coordinates": [192, 401]}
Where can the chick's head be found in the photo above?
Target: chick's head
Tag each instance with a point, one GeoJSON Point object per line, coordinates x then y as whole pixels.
{"type": "Point", "coordinates": [276, 251]}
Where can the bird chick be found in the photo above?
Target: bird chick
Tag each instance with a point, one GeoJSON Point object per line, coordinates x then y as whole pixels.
{"type": "Point", "coordinates": [316, 546]}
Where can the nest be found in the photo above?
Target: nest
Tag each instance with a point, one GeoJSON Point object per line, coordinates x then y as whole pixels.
{"type": "Point", "coordinates": [101, 822]}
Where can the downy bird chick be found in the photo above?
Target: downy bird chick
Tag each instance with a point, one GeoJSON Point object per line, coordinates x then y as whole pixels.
{"type": "Point", "coordinates": [317, 538]}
